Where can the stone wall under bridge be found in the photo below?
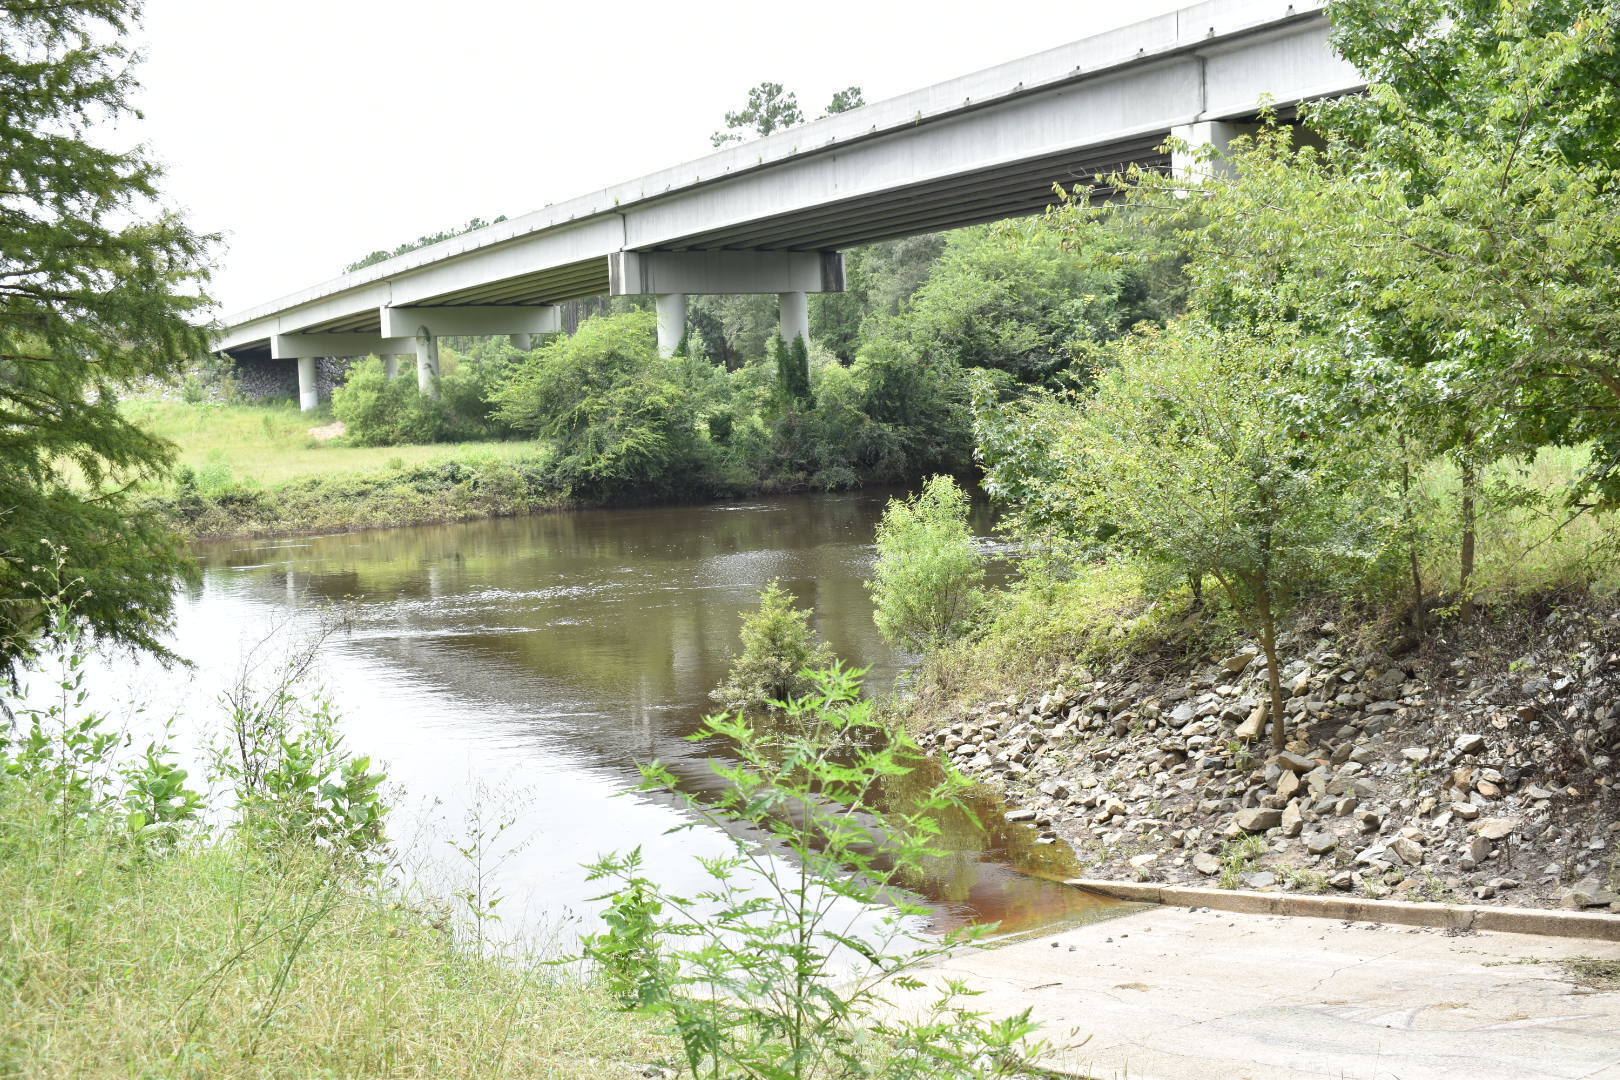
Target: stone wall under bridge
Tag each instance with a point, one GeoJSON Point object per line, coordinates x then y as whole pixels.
{"type": "Point", "coordinates": [263, 379]}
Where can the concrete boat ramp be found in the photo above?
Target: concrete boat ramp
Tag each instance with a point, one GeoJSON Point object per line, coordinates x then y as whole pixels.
{"type": "Point", "coordinates": [1169, 993]}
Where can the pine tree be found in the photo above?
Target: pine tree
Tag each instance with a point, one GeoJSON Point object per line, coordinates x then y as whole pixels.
{"type": "Point", "coordinates": [97, 287]}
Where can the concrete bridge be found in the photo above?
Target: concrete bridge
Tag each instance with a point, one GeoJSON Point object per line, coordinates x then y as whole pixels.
{"type": "Point", "coordinates": [771, 216]}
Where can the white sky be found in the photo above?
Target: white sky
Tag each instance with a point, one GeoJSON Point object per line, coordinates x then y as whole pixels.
{"type": "Point", "coordinates": [310, 132]}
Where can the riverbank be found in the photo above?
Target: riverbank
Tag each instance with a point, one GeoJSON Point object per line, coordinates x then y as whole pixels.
{"type": "Point", "coordinates": [1475, 765]}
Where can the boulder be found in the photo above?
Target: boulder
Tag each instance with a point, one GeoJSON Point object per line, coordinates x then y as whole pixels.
{"type": "Point", "coordinates": [1589, 892]}
{"type": "Point", "coordinates": [1295, 763]}
{"type": "Point", "coordinates": [1206, 864]}
{"type": "Point", "coordinates": [1495, 828]}
{"type": "Point", "coordinates": [1469, 744]}
{"type": "Point", "coordinates": [1408, 851]}
{"type": "Point", "coordinates": [1293, 819]}
{"type": "Point", "coordinates": [1250, 729]}
{"type": "Point", "coordinates": [1320, 843]}
{"type": "Point", "coordinates": [1288, 785]}
{"type": "Point", "coordinates": [1258, 819]}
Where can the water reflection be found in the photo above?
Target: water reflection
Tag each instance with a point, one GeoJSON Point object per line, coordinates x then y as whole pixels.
{"type": "Point", "coordinates": [556, 653]}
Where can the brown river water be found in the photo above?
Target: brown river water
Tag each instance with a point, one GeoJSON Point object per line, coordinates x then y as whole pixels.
{"type": "Point", "coordinates": [525, 667]}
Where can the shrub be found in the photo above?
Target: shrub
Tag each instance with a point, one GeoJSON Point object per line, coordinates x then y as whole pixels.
{"type": "Point", "coordinates": [778, 649]}
{"type": "Point", "coordinates": [622, 417]}
{"type": "Point", "coordinates": [926, 582]}
{"type": "Point", "coordinates": [780, 969]}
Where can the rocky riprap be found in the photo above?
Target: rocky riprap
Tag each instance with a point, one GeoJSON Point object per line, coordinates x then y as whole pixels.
{"type": "Point", "coordinates": [1475, 770]}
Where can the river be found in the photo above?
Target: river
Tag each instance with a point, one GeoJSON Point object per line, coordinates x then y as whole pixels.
{"type": "Point", "coordinates": [521, 669]}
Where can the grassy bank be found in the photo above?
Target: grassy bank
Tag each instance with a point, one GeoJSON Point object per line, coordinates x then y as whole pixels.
{"type": "Point", "coordinates": [256, 470]}
{"type": "Point", "coordinates": [268, 445]}
{"type": "Point", "coordinates": [219, 961]}
{"type": "Point", "coordinates": [260, 928]}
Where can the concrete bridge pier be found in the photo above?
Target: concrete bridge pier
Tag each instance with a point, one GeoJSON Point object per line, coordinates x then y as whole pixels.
{"type": "Point", "coordinates": [793, 315]}
{"type": "Point", "coordinates": [1213, 133]}
{"type": "Point", "coordinates": [427, 362]}
{"type": "Point", "coordinates": [521, 341]}
{"type": "Point", "coordinates": [671, 308]}
{"type": "Point", "coordinates": [391, 366]}
{"type": "Point", "coordinates": [309, 392]}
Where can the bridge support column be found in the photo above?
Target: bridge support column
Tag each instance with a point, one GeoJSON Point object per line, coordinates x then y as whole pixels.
{"type": "Point", "coordinates": [391, 365]}
{"type": "Point", "coordinates": [521, 341]}
{"type": "Point", "coordinates": [427, 362]}
{"type": "Point", "coordinates": [1185, 165]}
{"type": "Point", "coordinates": [793, 311]}
{"type": "Point", "coordinates": [309, 394]}
{"type": "Point", "coordinates": [671, 308]}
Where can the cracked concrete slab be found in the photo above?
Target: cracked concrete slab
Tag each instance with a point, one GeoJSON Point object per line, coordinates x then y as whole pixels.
{"type": "Point", "coordinates": [1177, 994]}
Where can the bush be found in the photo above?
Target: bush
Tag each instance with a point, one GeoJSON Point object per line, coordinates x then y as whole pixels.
{"type": "Point", "coordinates": [622, 418]}
{"type": "Point", "coordinates": [379, 411]}
{"type": "Point", "coordinates": [779, 648]}
{"type": "Point", "coordinates": [926, 582]}
{"type": "Point", "coordinates": [780, 969]}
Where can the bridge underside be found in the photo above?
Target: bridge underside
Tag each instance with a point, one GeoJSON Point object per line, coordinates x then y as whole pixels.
{"type": "Point", "coordinates": [1008, 191]}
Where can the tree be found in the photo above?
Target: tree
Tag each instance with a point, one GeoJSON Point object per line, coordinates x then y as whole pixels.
{"type": "Point", "coordinates": [1197, 448]}
{"type": "Point", "coordinates": [779, 649]}
{"type": "Point", "coordinates": [850, 97]}
{"type": "Point", "coordinates": [620, 416]}
{"type": "Point", "coordinates": [770, 108]}
{"type": "Point", "coordinates": [98, 287]}
{"type": "Point", "coordinates": [422, 242]}
{"type": "Point", "coordinates": [1015, 298]}
{"type": "Point", "coordinates": [926, 582]}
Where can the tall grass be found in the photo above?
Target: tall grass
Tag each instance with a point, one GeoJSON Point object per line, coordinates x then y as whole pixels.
{"type": "Point", "coordinates": [221, 961]}
{"type": "Point", "coordinates": [267, 445]}
{"type": "Point", "coordinates": [142, 940]}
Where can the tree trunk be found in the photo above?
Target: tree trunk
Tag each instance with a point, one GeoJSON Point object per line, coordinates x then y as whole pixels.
{"type": "Point", "coordinates": [1470, 514]}
{"type": "Point", "coordinates": [1268, 642]}
{"type": "Point", "coordinates": [1412, 539]}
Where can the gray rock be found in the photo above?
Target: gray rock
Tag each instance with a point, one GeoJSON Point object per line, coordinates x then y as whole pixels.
{"type": "Point", "coordinates": [1236, 664]}
{"type": "Point", "coordinates": [1288, 785]}
{"type": "Point", "coordinates": [1589, 892]}
{"type": "Point", "coordinates": [1495, 828]}
{"type": "Point", "coordinates": [1021, 817]}
{"type": "Point", "coordinates": [1409, 852]}
{"type": "Point", "coordinates": [1416, 754]}
{"type": "Point", "coordinates": [1206, 864]}
{"type": "Point", "coordinates": [1258, 819]}
{"type": "Point", "coordinates": [1320, 843]}
{"type": "Point", "coordinates": [1261, 879]}
{"type": "Point", "coordinates": [1293, 819]}
{"type": "Point", "coordinates": [1295, 763]}
{"type": "Point", "coordinates": [1469, 744]}
{"type": "Point", "coordinates": [1479, 849]}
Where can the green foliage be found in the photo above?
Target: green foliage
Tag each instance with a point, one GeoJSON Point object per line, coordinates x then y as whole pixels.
{"type": "Point", "coordinates": [767, 973]}
{"type": "Point", "coordinates": [793, 374]}
{"type": "Point", "coordinates": [622, 418]}
{"type": "Point", "coordinates": [379, 411]}
{"type": "Point", "coordinates": [421, 242]}
{"type": "Point", "coordinates": [926, 581]}
{"type": "Point", "coordinates": [778, 651]}
{"type": "Point", "coordinates": [157, 803]}
{"type": "Point", "coordinates": [626, 955]}
{"type": "Point", "coordinates": [242, 951]}
{"type": "Point", "coordinates": [98, 287]}
{"type": "Point", "coordinates": [1015, 298]}
{"type": "Point", "coordinates": [1197, 450]}
{"type": "Point", "coordinates": [770, 108]}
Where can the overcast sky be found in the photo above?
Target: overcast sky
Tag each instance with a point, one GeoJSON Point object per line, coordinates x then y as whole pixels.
{"type": "Point", "coordinates": [310, 132]}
